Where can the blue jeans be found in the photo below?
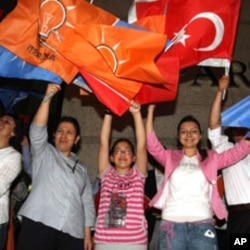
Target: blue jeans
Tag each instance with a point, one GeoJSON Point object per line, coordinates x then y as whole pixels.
{"type": "Point", "coordinates": [3, 234]}
{"type": "Point", "coordinates": [187, 236]}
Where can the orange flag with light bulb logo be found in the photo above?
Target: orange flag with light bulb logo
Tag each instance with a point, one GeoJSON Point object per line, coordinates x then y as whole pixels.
{"type": "Point", "coordinates": [20, 31]}
{"type": "Point", "coordinates": [21, 38]}
{"type": "Point", "coordinates": [122, 62]}
{"type": "Point", "coordinates": [72, 36]}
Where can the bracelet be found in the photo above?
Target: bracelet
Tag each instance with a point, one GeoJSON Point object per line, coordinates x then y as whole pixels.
{"type": "Point", "coordinates": [108, 112]}
{"type": "Point", "coordinates": [221, 90]}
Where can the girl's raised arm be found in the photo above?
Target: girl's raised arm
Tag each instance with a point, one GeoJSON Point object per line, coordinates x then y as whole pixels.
{"type": "Point", "coordinates": [140, 134]}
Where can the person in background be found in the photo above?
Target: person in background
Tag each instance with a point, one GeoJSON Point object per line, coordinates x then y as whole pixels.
{"type": "Point", "coordinates": [153, 215]}
{"type": "Point", "coordinates": [121, 222]}
{"type": "Point", "coordinates": [59, 211]}
{"type": "Point", "coordinates": [10, 167]}
{"type": "Point", "coordinates": [26, 156]}
{"type": "Point", "coordinates": [221, 225]}
{"type": "Point", "coordinates": [189, 196]}
{"type": "Point", "coordinates": [237, 177]}
{"type": "Point", "coordinates": [20, 188]}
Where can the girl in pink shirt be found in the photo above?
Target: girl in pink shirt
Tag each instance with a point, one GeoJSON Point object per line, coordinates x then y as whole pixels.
{"type": "Point", "coordinates": [121, 223]}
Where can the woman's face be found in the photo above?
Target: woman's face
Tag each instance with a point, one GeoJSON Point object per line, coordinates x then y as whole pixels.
{"type": "Point", "coordinates": [122, 157]}
{"type": "Point", "coordinates": [189, 134]}
{"type": "Point", "coordinates": [7, 126]}
{"type": "Point", "coordinates": [65, 137]}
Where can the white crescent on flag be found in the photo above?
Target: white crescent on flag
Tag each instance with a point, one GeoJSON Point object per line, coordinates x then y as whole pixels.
{"type": "Point", "coordinates": [219, 28]}
{"type": "Point", "coordinates": [181, 36]}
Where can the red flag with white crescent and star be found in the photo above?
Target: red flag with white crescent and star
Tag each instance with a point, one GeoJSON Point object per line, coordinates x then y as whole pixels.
{"type": "Point", "coordinates": [202, 32]}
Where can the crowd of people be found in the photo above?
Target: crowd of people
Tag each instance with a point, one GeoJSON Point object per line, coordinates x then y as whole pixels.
{"type": "Point", "coordinates": [171, 207]}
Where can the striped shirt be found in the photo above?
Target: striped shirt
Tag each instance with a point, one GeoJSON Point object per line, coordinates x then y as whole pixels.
{"type": "Point", "coordinates": [121, 214]}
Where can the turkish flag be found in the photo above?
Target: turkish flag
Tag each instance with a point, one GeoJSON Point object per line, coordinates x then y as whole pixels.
{"type": "Point", "coordinates": [202, 30]}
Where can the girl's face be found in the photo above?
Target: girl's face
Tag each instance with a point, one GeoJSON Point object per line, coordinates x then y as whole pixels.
{"type": "Point", "coordinates": [189, 134]}
{"type": "Point", "coordinates": [122, 157]}
{"type": "Point", "coordinates": [65, 137]}
{"type": "Point", "coordinates": [7, 126]}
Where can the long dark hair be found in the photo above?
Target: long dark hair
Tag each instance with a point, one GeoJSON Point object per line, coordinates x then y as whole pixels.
{"type": "Point", "coordinates": [74, 122]}
{"type": "Point", "coordinates": [190, 118]}
{"type": "Point", "coordinates": [15, 141]}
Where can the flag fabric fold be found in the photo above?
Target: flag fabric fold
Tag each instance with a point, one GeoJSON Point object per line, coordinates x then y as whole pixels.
{"type": "Point", "coordinates": [150, 13]}
{"type": "Point", "coordinates": [125, 53]}
{"type": "Point", "coordinates": [10, 97]}
{"type": "Point", "coordinates": [116, 102]}
{"type": "Point", "coordinates": [237, 115]}
{"type": "Point", "coordinates": [14, 67]}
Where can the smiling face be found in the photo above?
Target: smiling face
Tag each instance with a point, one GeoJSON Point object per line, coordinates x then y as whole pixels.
{"type": "Point", "coordinates": [122, 157]}
{"type": "Point", "coordinates": [7, 126]}
{"type": "Point", "coordinates": [189, 134]}
{"type": "Point", "coordinates": [65, 137]}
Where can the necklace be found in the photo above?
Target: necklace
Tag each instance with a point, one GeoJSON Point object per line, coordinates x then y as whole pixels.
{"type": "Point", "coordinates": [74, 167]}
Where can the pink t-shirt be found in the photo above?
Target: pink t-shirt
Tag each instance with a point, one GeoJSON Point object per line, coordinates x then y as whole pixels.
{"type": "Point", "coordinates": [121, 213]}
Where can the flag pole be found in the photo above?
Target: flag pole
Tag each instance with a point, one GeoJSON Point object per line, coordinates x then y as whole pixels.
{"type": "Point", "coordinates": [225, 91]}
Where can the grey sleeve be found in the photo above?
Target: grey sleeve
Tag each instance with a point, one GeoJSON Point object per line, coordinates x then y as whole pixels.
{"type": "Point", "coordinates": [89, 207]}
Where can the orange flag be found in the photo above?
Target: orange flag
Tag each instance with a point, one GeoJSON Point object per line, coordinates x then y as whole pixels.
{"type": "Point", "coordinates": [122, 61]}
{"type": "Point", "coordinates": [23, 39]}
{"type": "Point", "coordinates": [69, 36]}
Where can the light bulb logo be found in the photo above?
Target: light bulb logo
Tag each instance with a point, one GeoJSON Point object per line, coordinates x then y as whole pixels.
{"type": "Point", "coordinates": [52, 17]}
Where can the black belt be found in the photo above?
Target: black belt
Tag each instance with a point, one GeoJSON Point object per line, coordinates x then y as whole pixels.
{"type": "Point", "coordinates": [239, 207]}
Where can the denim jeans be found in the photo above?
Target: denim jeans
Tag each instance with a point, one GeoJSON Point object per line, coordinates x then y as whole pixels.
{"type": "Point", "coordinates": [3, 234]}
{"type": "Point", "coordinates": [187, 236]}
